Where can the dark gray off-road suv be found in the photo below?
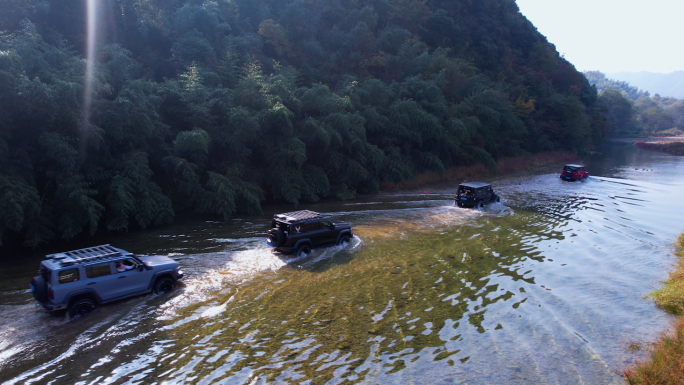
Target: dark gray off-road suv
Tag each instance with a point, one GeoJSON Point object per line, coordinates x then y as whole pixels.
{"type": "Point", "coordinates": [302, 231]}
{"type": "Point", "coordinates": [475, 194]}
{"type": "Point", "coordinates": [80, 280]}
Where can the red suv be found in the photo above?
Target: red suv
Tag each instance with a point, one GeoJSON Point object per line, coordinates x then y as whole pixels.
{"type": "Point", "coordinates": [574, 172]}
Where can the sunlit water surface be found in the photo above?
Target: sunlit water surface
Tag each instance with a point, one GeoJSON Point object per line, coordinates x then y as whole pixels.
{"type": "Point", "coordinates": [546, 287]}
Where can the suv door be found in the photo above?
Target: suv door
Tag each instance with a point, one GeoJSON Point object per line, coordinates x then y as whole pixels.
{"type": "Point", "coordinates": [328, 235]}
{"type": "Point", "coordinates": [132, 280]}
{"type": "Point", "coordinates": [488, 193]}
{"type": "Point", "coordinates": [100, 278]}
{"type": "Point", "coordinates": [311, 231]}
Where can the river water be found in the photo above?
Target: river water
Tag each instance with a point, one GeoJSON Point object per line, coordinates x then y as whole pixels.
{"type": "Point", "coordinates": [546, 287]}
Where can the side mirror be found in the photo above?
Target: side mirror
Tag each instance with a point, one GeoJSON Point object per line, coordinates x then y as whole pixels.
{"type": "Point", "coordinates": [141, 267]}
{"type": "Point", "coordinates": [332, 227]}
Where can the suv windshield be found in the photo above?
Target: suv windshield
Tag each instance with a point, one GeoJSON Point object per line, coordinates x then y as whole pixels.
{"type": "Point", "coordinates": [570, 168]}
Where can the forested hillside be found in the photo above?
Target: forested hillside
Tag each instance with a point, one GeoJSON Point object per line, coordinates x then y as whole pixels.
{"type": "Point", "coordinates": [216, 106]}
{"type": "Point", "coordinates": [666, 85]}
{"type": "Point", "coordinates": [602, 83]}
{"type": "Point", "coordinates": [630, 111]}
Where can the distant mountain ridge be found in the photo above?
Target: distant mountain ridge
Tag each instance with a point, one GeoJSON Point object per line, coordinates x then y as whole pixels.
{"type": "Point", "coordinates": [671, 84]}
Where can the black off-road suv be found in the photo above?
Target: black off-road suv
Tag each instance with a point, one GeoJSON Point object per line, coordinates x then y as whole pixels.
{"type": "Point", "coordinates": [475, 194]}
{"type": "Point", "coordinates": [302, 231]}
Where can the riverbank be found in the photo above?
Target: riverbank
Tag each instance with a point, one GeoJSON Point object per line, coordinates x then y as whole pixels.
{"type": "Point", "coordinates": [672, 147]}
{"type": "Point", "coordinates": [506, 167]}
{"type": "Point", "coordinates": [666, 362]}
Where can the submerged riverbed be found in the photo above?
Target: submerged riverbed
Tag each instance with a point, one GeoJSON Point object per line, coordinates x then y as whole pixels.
{"type": "Point", "coordinates": [546, 287]}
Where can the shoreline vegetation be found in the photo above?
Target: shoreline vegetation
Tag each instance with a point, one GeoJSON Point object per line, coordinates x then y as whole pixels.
{"type": "Point", "coordinates": [665, 364]}
{"type": "Point", "coordinates": [672, 147]}
{"type": "Point", "coordinates": [506, 167]}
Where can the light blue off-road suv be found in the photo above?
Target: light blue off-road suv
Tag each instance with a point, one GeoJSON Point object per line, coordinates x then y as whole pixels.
{"type": "Point", "coordinates": [79, 280]}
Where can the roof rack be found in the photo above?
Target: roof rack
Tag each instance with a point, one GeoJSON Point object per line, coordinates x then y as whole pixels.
{"type": "Point", "coordinates": [474, 184]}
{"type": "Point", "coordinates": [294, 216]}
{"type": "Point", "coordinates": [88, 254]}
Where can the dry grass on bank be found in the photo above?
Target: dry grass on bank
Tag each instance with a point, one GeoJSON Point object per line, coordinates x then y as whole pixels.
{"type": "Point", "coordinates": [672, 147]}
{"type": "Point", "coordinates": [666, 362]}
{"type": "Point", "coordinates": [505, 166]}
{"type": "Point", "coordinates": [671, 296]}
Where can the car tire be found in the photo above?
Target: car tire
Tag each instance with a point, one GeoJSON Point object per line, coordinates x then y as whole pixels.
{"type": "Point", "coordinates": [497, 199]}
{"type": "Point", "coordinates": [343, 239]}
{"type": "Point", "coordinates": [163, 286]}
{"type": "Point", "coordinates": [459, 204]}
{"type": "Point", "coordinates": [303, 250]}
{"type": "Point", "coordinates": [82, 307]}
{"type": "Point", "coordinates": [480, 205]}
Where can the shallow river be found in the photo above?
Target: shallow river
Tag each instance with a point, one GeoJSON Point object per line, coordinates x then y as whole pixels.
{"type": "Point", "coordinates": [546, 287]}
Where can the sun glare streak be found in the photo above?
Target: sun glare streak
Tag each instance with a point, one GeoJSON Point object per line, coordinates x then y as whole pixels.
{"type": "Point", "coordinates": [91, 9]}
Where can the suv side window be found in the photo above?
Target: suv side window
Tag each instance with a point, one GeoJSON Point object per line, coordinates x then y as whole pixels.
{"type": "Point", "coordinates": [325, 224]}
{"type": "Point", "coordinates": [128, 265]}
{"type": "Point", "coordinates": [66, 276]}
{"type": "Point", "coordinates": [301, 228]}
{"type": "Point", "coordinates": [99, 270]}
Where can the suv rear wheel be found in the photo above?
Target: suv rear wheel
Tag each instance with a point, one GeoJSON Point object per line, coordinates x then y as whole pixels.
{"type": "Point", "coordinates": [82, 307]}
{"type": "Point", "coordinates": [164, 285]}
{"type": "Point", "coordinates": [304, 250]}
{"type": "Point", "coordinates": [480, 205]}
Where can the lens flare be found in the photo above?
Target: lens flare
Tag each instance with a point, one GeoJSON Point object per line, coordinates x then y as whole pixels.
{"type": "Point", "coordinates": [91, 9]}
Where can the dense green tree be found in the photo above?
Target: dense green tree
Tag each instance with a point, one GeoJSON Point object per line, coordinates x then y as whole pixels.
{"type": "Point", "coordinates": [619, 112]}
{"type": "Point", "coordinates": [216, 106]}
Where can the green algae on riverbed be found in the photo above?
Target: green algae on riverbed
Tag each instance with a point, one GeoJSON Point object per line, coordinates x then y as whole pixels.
{"type": "Point", "coordinates": [404, 292]}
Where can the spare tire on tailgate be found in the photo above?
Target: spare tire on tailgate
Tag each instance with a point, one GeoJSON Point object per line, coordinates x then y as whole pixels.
{"type": "Point", "coordinates": [277, 237]}
{"type": "Point", "coordinates": [39, 289]}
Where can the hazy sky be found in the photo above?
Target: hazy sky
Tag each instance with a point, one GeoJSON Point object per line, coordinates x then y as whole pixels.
{"type": "Point", "coordinates": [613, 35]}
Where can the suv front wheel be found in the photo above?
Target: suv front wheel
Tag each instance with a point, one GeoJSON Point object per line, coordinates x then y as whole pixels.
{"type": "Point", "coordinates": [344, 239]}
{"type": "Point", "coordinates": [82, 307]}
{"type": "Point", "coordinates": [164, 285]}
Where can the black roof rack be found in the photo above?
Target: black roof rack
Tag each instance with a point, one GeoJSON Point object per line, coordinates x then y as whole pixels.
{"type": "Point", "coordinates": [474, 184]}
{"type": "Point", "coordinates": [297, 216]}
{"type": "Point", "coordinates": [88, 254]}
